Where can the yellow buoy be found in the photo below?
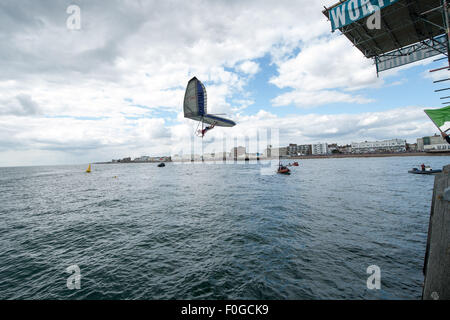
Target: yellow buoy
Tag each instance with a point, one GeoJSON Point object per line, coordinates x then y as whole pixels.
{"type": "Point", "coordinates": [88, 170]}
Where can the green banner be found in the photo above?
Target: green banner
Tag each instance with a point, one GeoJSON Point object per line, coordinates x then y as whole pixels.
{"type": "Point", "coordinates": [439, 116]}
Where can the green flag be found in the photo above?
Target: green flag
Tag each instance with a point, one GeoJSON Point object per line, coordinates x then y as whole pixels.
{"type": "Point", "coordinates": [439, 116]}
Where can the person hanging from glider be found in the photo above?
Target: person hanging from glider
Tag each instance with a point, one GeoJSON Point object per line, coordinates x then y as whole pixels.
{"type": "Point", "coordinates": [203, 132]}
{"type": "Point", "coordinates": [440, 117]}
{"type": "Point", "coordinates": [195, 108]}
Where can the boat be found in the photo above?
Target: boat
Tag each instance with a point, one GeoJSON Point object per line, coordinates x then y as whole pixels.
{"type": "Point", "coordinates": [295, 164]}
{"type": "Point", "coordinates": [161, 165]}
{"type": "Point", "coordinates": [283, 169]}
{"type": "Point", "coordinates": [88, 170]}
{"type": "Point", "coordinates": [426, 171]}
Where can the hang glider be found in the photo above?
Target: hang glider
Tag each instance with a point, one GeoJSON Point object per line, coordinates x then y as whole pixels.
{"type": "Point", "coordinates": [195, 107]}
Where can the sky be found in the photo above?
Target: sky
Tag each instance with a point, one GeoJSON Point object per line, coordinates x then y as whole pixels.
{"type": "Point", "coordinates": [114, 87]}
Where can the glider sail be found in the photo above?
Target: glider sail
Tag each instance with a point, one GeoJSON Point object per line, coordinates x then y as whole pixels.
{"type": "Point", "coordinates": [195, 105]}
{"type": "Point", "coordinates": [195, 99]}
{"type": "Point", "coordinates": [439, 116]}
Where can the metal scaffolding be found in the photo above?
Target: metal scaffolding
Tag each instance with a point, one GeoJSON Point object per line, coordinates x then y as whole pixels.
{"type": "Point", "coordinates": [410, 31]}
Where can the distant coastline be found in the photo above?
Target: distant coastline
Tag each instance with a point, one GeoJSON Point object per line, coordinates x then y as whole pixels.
{"type": "Point", "coordinates": [329, 156]}
{"type": "Point", "coordinates": [372, 155]}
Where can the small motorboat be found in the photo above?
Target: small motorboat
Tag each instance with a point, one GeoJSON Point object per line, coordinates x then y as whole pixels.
{"type": "Point", "coordinates": [161, 165]}
{"type": "Point", "coordinates": [283, 169]}
{"type": "Point", "coordinates": [427, 170]}
{"type": "Point", "coordinates": [295, 164]}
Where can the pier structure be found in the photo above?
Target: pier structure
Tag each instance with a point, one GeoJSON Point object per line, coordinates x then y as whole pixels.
{"type": "Point", "coordinates": [436, 267]}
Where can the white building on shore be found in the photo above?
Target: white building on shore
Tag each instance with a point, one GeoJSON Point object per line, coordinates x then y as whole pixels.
{"type": "Point", "coordinates": [319, 149]}
{"type": "Point", "coordinates": [393, 145]}
{"type": "Point", "coordinates": [433, 144]}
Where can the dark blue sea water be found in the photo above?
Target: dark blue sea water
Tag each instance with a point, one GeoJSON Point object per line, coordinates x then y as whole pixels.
{"type": "Point", "coordinates": [215, 231]}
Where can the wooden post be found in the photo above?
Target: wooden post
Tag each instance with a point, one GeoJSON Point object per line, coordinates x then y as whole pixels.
{"type": "Point", "coordinates": [437, 257]}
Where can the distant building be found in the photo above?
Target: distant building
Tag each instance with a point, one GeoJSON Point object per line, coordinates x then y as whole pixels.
{"type": "Point", "coordinates": [292, 150]}
{"type": "Point", "coordinates": [165, 158]}
{"type": "Point", "coordinates": [319, 149]}
{"type": "Point", "coordinates": [304, 149]}
{"type": "Point", "coordinates": [438, 148]}
{"type": "Point", "coordinates": [393, 145]}
{"type": "Point", "coordinates": [209, 156]}
{"type": "Point", "coordinates": [147, 159]}
{"type": "Point", "coordinates": [280, 152]}
{"type": "Point", "coordinates": [268, 152]}
{"type": "Point", "coordinates": [432, 144]}
{"type": "Point", "coordinates": [142, 159]}
{"type": "Point", "coordinates": [237, 152]}
{"type": "Point", "coordinates": [345, 149]}
{"type": "Point", "coordinates": [222, 155]}
{"type": "Point", "coordinates": [411, 147]}
{"type": "Point", "coordinates": [333, 148]}
{"type": "Point", "coordinates": [276, 152]}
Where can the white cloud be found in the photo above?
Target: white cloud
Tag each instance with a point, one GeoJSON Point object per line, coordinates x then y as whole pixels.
{"type": "Point", "coordinates": [249, 67]}
{"type": "Point", "coordinates": [321, 69]}
{"type": "Point", "coordinates": [308, 99]}
{"type": "Point", "coordinates": [104, 91]}
{"type": "Point", "coordinates": [327, 63]}
{"type": "Point", "coordinates": [146, 51]}
{"type": "Point", "coordinates": [96, 140]}
{"type": "Point", "coordinates": [21, 104]}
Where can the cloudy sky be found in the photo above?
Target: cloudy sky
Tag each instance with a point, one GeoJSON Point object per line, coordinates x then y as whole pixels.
{"type": "Point", "coordinates": [115, 87]}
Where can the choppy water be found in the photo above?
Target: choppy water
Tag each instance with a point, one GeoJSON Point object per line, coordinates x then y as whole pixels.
{"type": "Point", "coordinates": [215, 231]}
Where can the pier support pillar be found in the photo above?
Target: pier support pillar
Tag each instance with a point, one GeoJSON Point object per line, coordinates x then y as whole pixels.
{"type": "Point", "coordinates": [437, 257]}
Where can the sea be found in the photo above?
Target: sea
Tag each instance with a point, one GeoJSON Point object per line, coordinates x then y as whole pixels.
{"type": "Point", "coordinates": [353, 228]}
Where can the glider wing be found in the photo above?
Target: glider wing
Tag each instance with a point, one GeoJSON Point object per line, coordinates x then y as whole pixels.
{"type": "Point", "coordinates": [195, 99]}
{"type": "Point", "coordinates": [218, 121]}
{"type": "Point", "coordinates": [195, 106]}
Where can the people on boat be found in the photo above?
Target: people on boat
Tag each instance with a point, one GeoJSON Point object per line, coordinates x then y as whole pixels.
{"type": "Point", "coordinates": [422, 166]}
{"type": "Point", "coordinates": [203, 132]}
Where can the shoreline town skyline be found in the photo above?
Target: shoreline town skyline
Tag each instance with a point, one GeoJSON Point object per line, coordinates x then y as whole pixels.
{"type": "Point", "coordinates": [423, 146]}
